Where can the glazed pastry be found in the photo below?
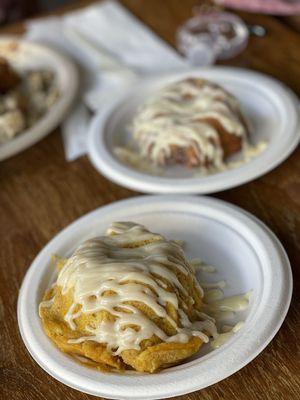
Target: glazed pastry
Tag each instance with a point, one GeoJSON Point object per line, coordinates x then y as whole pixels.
{"type": "Point", "coordinates": [192, 122]}
{"type": "Point", "coordinates": [127, 300]}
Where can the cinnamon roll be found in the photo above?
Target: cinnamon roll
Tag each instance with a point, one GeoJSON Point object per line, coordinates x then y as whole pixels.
{"type": "Point", "coordinates": [193, 122]}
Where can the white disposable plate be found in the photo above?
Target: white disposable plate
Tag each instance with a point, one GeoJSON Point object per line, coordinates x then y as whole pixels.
{"type": "Point", "coordinates": [270, 108]}
{"type": "Point", "coordinates": [24, 54]}
{"type": "Point", "coordinates": [246, 254]}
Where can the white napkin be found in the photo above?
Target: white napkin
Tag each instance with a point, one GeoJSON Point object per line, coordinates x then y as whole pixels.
{"type": "Point", "coordinates": [112, 48]}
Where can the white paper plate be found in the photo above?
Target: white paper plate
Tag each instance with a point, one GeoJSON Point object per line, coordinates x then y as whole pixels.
{"type": "Point", "coordinates": [24, 54]}
{"type": "Point", "coordinates": [270, 108]}
{"type": "Point", "coordinates": [246, 254]}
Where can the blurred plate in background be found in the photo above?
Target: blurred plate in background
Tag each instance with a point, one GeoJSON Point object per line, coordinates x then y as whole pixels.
{"type": "Point", "coordinates": [271, 109]}
{"type": "Point", "coordinates": [25, 55]}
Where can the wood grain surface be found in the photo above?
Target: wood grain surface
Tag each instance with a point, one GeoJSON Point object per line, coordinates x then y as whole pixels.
{"type": "Point", "coordinates": [40, 193]}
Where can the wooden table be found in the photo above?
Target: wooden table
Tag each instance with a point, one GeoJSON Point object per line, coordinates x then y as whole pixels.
{"type": "Point", "coordinates": [41, 193]}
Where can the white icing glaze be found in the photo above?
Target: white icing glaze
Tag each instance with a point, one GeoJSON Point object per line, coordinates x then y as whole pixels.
{"type": "Point", "coordinates": [46, 304]}
{"type": "Point", "coordinates": [220, 284]}
{"type": "Point", "coordinates": [224, 337]}
{"type": "Point", "coordinates": [213, 295]}
{"type": "Point", "coordinates": [232, 303]}
{"type": "Point", "coordinates": [135, 160]}
{"type": "Point", "coordinates": [177, 115]}
{"type": "Point", "coordinates": [103, 264]}
{"type": "Point", "coordinates": [223, 309]}
{"type": "Point", "coordinates": [200, 265]}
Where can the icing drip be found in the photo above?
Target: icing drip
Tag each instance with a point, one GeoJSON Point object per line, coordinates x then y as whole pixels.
{"type": "Point", "coordinates": [223, 309]}
{"type": "Point", "coordinates": [131, 264]}
{"type": "Point", "coordinates": [224, 337]}
{"type": "Point", "coordinates": [220, 284]}
{"type": "Point", "coordinates": [233, 303]}
{"type": "Point", "coordinates": [181, 115]}
{"type": "Point", "coordinates": [104, 265]}
{"type": "Point", "coordinates": [178, 115]}
{"type": "Point", "coordinates": [46, 303]}
{"type": "Point", "coordinates": [135, 160]}
{"type": "Point", "coordinates": [199, 265]}
{"type": "Point", "coordinates": [213, 295]}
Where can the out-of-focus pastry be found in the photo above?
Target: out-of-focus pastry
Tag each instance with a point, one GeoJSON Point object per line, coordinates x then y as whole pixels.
{"type": "Point", "coordinates": [25, 96]}
{"type": "Point", "coordinates": [192, 122]}
{"type": "Point", "coordinates": [127, 300]}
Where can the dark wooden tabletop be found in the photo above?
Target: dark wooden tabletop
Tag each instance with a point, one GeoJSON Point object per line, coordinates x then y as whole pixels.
{"type": "Point", "coordinates": [41, 193]}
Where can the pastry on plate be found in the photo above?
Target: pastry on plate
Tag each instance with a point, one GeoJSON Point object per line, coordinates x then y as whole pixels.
{"type": "Point", "coordinates": [127, 300]}
{"type": "Point", "coordinates": [25, 96]}
{"type": "Point", "coordinates": [193, 122]}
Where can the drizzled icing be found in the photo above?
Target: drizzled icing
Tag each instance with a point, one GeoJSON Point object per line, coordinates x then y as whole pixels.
{"type": "Point", "coordinates": [224, 337]}
{"type": "Point", "coordinates": [134, 265]}
{"type": "Point", "coordinates": [133, 159]}
{"type": "Point", "coordinates": [178, 115]}
{"type": "Point", "coordinates": [111, 263]}
{"type": "Point", "coordinates": [198, 264]}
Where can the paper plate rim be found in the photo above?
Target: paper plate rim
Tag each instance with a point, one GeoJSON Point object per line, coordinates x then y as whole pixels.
{"type": "Point", "coordinates": [47, 123]}
{"type": "Point", "coordinates": [104, 161]}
